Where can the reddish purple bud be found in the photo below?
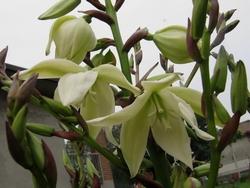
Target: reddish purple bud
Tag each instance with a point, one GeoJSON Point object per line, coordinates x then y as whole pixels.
{"type": "Point", "coordinates": [96, 182]}
{"type": "Point", "coordinates": [26, 89]}
{"type": "Point", "coordinates": [69, 135]}
{"type": "Point", "coordinates": [135, 38]}
{"type": "Point", "coordinates": [97, 4]}
{"type": "Point", "coordinates": [99, 15]}
{"type": "Point", "coordinates": [49, 166]}
{"type": "Point", "coordinates": [3, 54]}
{"type": "Point", "coordinates": [213, 15]}
{"type": "Point", "coordinates": [13, 90]}
{"type": "Point", "coordinates": [15, 148]}
{"type": "Point", "coordinates": [192, 47]}
{"type": "Point", "coordinates": [118, 4]}
{"type": "Point", "coordinates": [229, 131]}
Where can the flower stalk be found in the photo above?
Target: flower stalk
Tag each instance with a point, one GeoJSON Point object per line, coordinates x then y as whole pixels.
{"type": "Point", "coordinates": [123, 56]}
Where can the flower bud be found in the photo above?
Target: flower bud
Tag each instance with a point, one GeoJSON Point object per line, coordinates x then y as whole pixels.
{"type": "Point", "coordinates": [73, 38]}
{"type": "Point", "coordinates": [220, 111]}
{"type": "Point", "coordinates": [202, 170]}
{"type": "Point", "coordinates": [60, 8]}
{"type": "Point", "coordinates": [239, 91]}
{"type": "Point", "coordinates": [199, 18]}
{"type": "Point", "coordinates": [192, 183]}
{"type": "Point", "coordinates": [171, 41]}
{"type": "Point", "coordinates": [229, 131]}
{"type": "Point", "coordinates": [36, 148]}
{"type": "Point", "coordinates": [220, 71]}
{"type": "Point", "coordinates": [18, 125]}
{"type": "Point", "coordinates": [40, 129]}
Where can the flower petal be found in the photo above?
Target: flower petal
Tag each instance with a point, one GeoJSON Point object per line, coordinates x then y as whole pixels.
{"type": "Point", "coordinates": [98, 102]}
{"type": "Point", "coordinates": [53, 68]}
{"type": "Point", "coordinates": [134, 135]}
{"type": "Point", "coordinates": [54, 29]}
{"type": "Point", "coordinates": [175, 140]}
{"type": "Point", "coordinates": [73, 87]}
{"type": "Point", "coordinates": [123, 115]}
{"type": "Point", "coordinates": [193, 98]}
{"type": "Point", "coordinates": [113, 75]}
{"type": "Point", "coordinates": [155, 85]}
{"type": "Point", "coordinates": [188, 115]}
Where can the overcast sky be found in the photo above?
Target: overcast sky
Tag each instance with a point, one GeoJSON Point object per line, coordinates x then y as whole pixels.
{"type": "Point", "coordinates": [27, 36]}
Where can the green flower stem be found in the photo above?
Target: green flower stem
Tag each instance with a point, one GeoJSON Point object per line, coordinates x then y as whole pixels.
{"type": "Point", "coordinates": [192, 74]}
{"type": "Point", "coordinates": [80, 164]}
{"type": "Point", "coordinates": [204, 69]}
{"type": "Point", "coordinates": [161, 164]}
{"type": "Point", "coordinates": [123, 56]}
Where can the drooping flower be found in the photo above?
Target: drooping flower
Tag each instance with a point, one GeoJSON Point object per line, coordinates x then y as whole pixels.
{"type": "Point", "coordinates": [73, 38]}
{"type": "Point", "coordinates": [88, 90]}
{"type": "Point", "coordinates": [171, 41]}
{"type": "Point", "coordinates": [158, 109]}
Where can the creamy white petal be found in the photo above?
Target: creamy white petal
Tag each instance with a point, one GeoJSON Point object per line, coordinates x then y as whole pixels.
{"type": "Point", "coordinates": [155, 85]}
{"type": "Point", "coordinates": [73, 87]}
{"type": "Point", "coordinates": [193, 98]}
{"type": "Point", "coordinates": [123, 115]}
{"type": "Point", "coordinates": [53, 68]}
{"type": "Point", "coordinates": [175, 140]}
{"type": "Point", "coordinates": [98, 102]}
{"type": "Point", "coordinates": [188, 115]}
{"type": "Point", "coordinates": [134, 135]}
{"type": "Point", "coordinates": [113, 75]}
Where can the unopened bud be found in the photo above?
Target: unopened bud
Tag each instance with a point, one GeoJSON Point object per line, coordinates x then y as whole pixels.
{"type": "Point", "coordinates": [15, 149]}
{"type": "Point", "coordinates": [220, 111]}
{"type": "Point", "coordinates": [192, 182]}
{"type": "Point", "coordinates": [60, 8]}
{"type": "Point", "coordinates": [135, 38]}
{"type": "Point", "coordinates": [37, 152]}
{"type": "Point", "coordinates": [19, 122]}
{"type": "Point", "coordinates": [202, 170]}
{"type": "Point", "coordinates": [192, 46]}
{"type": "Point", "coordinates": [220, 71]}
{"type": "Point", "coordinates": [73, 38]}
{"type": "Point", "coordinates": [26, 90]}
{"type": "Point", "coordinates": [49, 166]}
{"type": "Point", "coordinates": [213, 15]}
{"type": "Point", "coordinates": [229, 14]}
{"type": "Point", "coordinates": [239, 91]}
{"type": "Point", "coordinates": [69, 135]}
{"type": "Point", "coordinates": [99, 15]}
{"type": "Point", "coordinates": [3, 54]}
{"type": "Point", "coordinates": [40, 129]}
{"type": "Point", "coordinates": [171, 41]}
{"type": "Point", "coordinates": [229, 131]}
{"type": "Point", "coordinates": [103, 43]}
{"type": "Point", "coordinates": [198, 18]}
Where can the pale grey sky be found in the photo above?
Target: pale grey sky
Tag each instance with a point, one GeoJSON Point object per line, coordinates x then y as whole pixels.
{"type": "Point", "coordinates": [27, 36]}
